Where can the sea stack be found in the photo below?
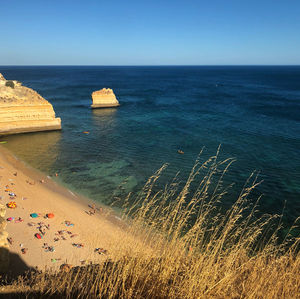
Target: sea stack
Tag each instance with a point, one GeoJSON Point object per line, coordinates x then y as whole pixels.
{"type": "Point", "coordinates": [23, 110]}
{"type": "Point", "coordinates": [104, 98]}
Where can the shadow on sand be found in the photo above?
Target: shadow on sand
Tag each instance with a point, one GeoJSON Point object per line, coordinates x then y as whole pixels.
{"type": "Point", "coordinates": [7, 291]}
{"type": "Point", "coordinates": [16, 268]}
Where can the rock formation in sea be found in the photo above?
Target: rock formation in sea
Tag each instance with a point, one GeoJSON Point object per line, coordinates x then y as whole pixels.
{"type": "Point", "coordinates": [104, 98]}
{"type": "Point", "coordinates": [4, 246]}
{"type": "Point", "coordinates": [23, 110]}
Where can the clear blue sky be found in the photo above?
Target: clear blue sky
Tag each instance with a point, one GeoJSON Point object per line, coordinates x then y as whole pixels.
{"type": "Point", "coordinates": [151, 32]}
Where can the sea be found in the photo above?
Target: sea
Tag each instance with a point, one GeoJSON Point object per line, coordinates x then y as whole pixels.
{"type": "Point", "coordinates": [251, 112]}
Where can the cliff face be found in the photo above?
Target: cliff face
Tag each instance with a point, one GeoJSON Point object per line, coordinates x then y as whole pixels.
{"type": "Point", "coordinates": [4, 246]}
{"type": "Point", "coordinates": [23, 110]}
{"type": "Point", "coordinates": [104, 98]}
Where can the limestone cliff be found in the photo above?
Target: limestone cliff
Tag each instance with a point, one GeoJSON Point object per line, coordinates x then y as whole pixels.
{"type": "Point", "coordinates": [104, 98]}
{"type": "Point", "coordinates": [4, 253]}
{"type": "Point", "coordinates": [23, 110]}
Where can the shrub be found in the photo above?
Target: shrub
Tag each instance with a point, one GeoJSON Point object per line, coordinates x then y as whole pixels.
{"type": "Point", "coordinates": [10, 83]}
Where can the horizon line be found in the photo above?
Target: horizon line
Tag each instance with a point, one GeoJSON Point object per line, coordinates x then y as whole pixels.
{"type": "Point", "coordinates": [143, 65]}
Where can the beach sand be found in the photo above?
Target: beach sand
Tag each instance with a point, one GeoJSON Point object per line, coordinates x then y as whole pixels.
{"type": "Point", "coordinates": [37, 193]}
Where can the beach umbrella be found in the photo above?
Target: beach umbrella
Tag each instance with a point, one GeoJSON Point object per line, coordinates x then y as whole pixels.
{"type": "Point", "coordinates": [34, 215]}
{"type": "Point", "coordinates": [50, 215]}
{"type": "Point", "coordinates": [10, 218]}
{"type": "Point", "coordinates": [38, 236]}
{"type": "Point", "coordinates": [12, 205]}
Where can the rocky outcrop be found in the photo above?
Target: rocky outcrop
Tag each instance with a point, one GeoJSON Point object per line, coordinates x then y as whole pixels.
{"type": "Point", "coordinates": [4, 246]}
{"type": "Point", "coordinates": [23, 110]}
{"type": "Point", "coordinates": [104, 98]}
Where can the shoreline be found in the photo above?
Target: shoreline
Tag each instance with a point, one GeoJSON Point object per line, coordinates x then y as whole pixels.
{"type": "Point", "coordinates": [38, 175]}
{"type": "Point", "coordinates": [38, 193]}
{"type": "Point", "coordinates": [57, 186]}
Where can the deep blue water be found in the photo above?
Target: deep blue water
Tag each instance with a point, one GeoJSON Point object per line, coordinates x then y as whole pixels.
{"type": "Point", "coordinates": [253, 112]}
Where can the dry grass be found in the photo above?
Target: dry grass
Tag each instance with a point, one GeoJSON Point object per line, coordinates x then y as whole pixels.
{"type": "Point", "coordinates": [193, 249]}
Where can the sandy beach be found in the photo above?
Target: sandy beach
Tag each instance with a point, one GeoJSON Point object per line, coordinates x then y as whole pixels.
{"type": "Point", "coordinates": [74, 233]}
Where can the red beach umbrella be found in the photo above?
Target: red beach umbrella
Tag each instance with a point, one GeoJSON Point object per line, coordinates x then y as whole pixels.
{"type": "Point", "coordinates": [50, 215]}
{"type": "Point", "coordinates": [38, 236]}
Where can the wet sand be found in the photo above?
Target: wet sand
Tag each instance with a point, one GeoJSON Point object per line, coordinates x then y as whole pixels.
{"type": "Point", "coordinates": [71, 236]}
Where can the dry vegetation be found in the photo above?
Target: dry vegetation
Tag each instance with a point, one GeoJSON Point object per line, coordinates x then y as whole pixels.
{"type": "Point", "coordinates": [193, 249]}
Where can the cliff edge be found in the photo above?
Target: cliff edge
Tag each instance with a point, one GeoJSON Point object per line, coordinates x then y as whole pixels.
{"type": "Point", "coordinates": [104, 98]}
{"type": "Point", "coordinates": [23, 110]}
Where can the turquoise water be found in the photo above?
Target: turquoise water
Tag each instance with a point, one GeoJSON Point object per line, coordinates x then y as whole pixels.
{"type": "Point", "coordinates": [253, 112]}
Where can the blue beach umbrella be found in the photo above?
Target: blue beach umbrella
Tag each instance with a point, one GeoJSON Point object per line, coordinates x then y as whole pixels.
{"type": "Point", "coordinates": [34, 215]}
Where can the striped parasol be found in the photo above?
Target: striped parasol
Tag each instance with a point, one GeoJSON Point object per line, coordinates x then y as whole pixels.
{"type": "Point", "coordinates": [12, 205]}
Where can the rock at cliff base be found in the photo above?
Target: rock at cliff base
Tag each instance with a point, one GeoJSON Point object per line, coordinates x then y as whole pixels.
{"type": "Point", "coordinates": [23, 110]}
{"type": "Point", "coordinates": [4, 246]}
{"type": "Point", "coordinates": [3, 224]}
{"type": "Point", "coordinates": [2, 210]}
{"type": "Point", "coordinates": [2, 78]}
{"type": "Point", "coordinates": [104, 98]}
